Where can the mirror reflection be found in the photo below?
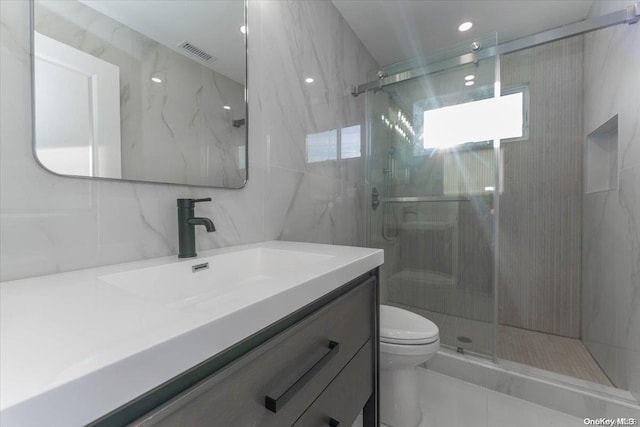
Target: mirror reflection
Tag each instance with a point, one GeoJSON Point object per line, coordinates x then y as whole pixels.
{"type": "Point", "coordinates": [141, 90]}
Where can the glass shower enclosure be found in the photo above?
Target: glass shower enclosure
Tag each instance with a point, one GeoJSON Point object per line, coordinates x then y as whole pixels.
{"type": "Point", "coordinates": [489, 169]}
{"type": "Point", "coordinates": [496, 184]}
{"type": "Point", "coordinates": [433, 176]}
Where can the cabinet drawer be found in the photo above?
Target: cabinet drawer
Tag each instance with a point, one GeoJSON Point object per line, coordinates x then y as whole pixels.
{"type": "Point", "coordinates": [235, 395]}
{"type": "Point", "coordinates": [346, 394]}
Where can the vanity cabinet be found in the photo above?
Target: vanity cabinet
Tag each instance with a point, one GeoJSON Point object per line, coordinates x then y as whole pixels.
{"type": "Point", "coordinates": [320, 370]}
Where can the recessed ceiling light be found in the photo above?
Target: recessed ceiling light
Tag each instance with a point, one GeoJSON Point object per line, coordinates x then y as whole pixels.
{"type": "Point", "coordinates": [243, 29]}
{"type": "Point", "coordinates": [465, 26]}
{"type": "Point", "coordinates": [308, 80]}
{"type": "Point", "coordinates": [469, 83]}
{"type": "Point", "coordinates": [469, 77]}
{"type": "Point", "coordinates": [156, 80]}
{"type": "Point", "coordinates": [226, 107]}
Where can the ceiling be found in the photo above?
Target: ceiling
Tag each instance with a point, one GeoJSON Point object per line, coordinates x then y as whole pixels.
{"type": "Point", "coordinates": [395, 30]}
{"type": "Point", "coordinates": [213, 26]}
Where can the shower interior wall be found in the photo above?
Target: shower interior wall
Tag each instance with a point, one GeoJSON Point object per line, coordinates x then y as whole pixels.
{"type": "Point", "coordinates": [611, 224]}
{"type": "Point", "coordinates": [541, 203]}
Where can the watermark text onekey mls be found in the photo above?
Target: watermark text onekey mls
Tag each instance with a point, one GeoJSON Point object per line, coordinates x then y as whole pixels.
{"type": "Point", "coordinates": [611, 421]}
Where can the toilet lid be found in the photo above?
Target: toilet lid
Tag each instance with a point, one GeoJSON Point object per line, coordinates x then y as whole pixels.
{"type": "Point", "coordinates": [398, 326]}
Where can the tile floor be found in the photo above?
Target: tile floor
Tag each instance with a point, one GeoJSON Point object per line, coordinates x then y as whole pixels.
{"type": "Point", "coordinates": [447, 401]}
{"type": "Point", "coordinates": [451, 402]}
{"type": "Point", "coordinates": [554, 353]}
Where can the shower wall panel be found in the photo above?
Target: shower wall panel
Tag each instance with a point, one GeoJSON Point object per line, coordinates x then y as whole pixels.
{"type": "Point", "coordinates": [611, 226]}
{"type": "Point", "coordinates": [540, 206]}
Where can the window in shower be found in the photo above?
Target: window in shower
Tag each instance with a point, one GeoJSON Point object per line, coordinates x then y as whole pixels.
{"type": "Point", "coordinates": [475, 121]}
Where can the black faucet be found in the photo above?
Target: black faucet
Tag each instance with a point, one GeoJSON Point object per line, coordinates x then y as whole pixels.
{"type": "Point", "coordinates": [186, 226]}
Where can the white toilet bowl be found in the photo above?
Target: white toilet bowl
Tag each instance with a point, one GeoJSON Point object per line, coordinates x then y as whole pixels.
{"type": "Point", "coordinates": [406, 340]}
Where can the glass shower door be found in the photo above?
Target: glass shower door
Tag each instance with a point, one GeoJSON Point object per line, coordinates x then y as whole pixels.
{"type": "Point", "coordinates": [431, 177]}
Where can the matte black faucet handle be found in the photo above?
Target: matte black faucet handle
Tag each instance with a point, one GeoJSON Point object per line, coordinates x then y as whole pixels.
{"type": "Point", "coordinates": [206, 199]}
{"type": "Point", "coordinates": [190, 202]}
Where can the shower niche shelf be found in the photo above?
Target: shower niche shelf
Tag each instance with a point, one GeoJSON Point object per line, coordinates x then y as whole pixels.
{"type": "Point", "coordinates": [601, 158]}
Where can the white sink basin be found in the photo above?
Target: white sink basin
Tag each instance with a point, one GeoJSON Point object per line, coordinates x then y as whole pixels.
{"type": "Point", "coordinates": [223, 276]}
{"type": "Point", "coordinates": [125, 329]}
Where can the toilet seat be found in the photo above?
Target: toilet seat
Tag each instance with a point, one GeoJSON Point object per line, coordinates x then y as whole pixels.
{"type": "Point", "coordinates": [402, 327]}
{"type": "Point", "coordinates": [409, 350]}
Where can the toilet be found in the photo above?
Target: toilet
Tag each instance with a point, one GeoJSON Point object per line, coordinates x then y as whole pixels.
{"type": "Point", "coordinates": [406, 340]}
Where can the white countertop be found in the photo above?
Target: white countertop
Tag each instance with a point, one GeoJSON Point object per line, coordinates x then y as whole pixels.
{"type": "Point", "coordinates": [73, 347]}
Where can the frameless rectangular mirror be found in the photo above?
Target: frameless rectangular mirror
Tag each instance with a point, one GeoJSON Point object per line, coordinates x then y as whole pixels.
{"type": "Point", "coordinates": [141, 90]}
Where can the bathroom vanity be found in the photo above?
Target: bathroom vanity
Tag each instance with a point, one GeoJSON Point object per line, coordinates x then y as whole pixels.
{"type": "Point", "coordinates": [269, 334]}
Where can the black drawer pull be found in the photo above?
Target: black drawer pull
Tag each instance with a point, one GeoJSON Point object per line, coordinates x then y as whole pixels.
{"type": "Point", "coordinates": [333, 422]}
{"type": "Point", "coordinates": [276, 403]}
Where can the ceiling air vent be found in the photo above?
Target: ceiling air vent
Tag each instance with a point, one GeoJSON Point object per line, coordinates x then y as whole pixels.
{"type": "Point", "coordinates": [197, 52]}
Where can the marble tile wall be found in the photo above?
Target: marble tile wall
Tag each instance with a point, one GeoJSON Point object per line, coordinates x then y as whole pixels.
{"type": "Point", "coordinates": [190, 139]}
{"type": "Point", "coordinates": [611, 219]}
{"type": "Point", "coordinates": [50, 224]}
